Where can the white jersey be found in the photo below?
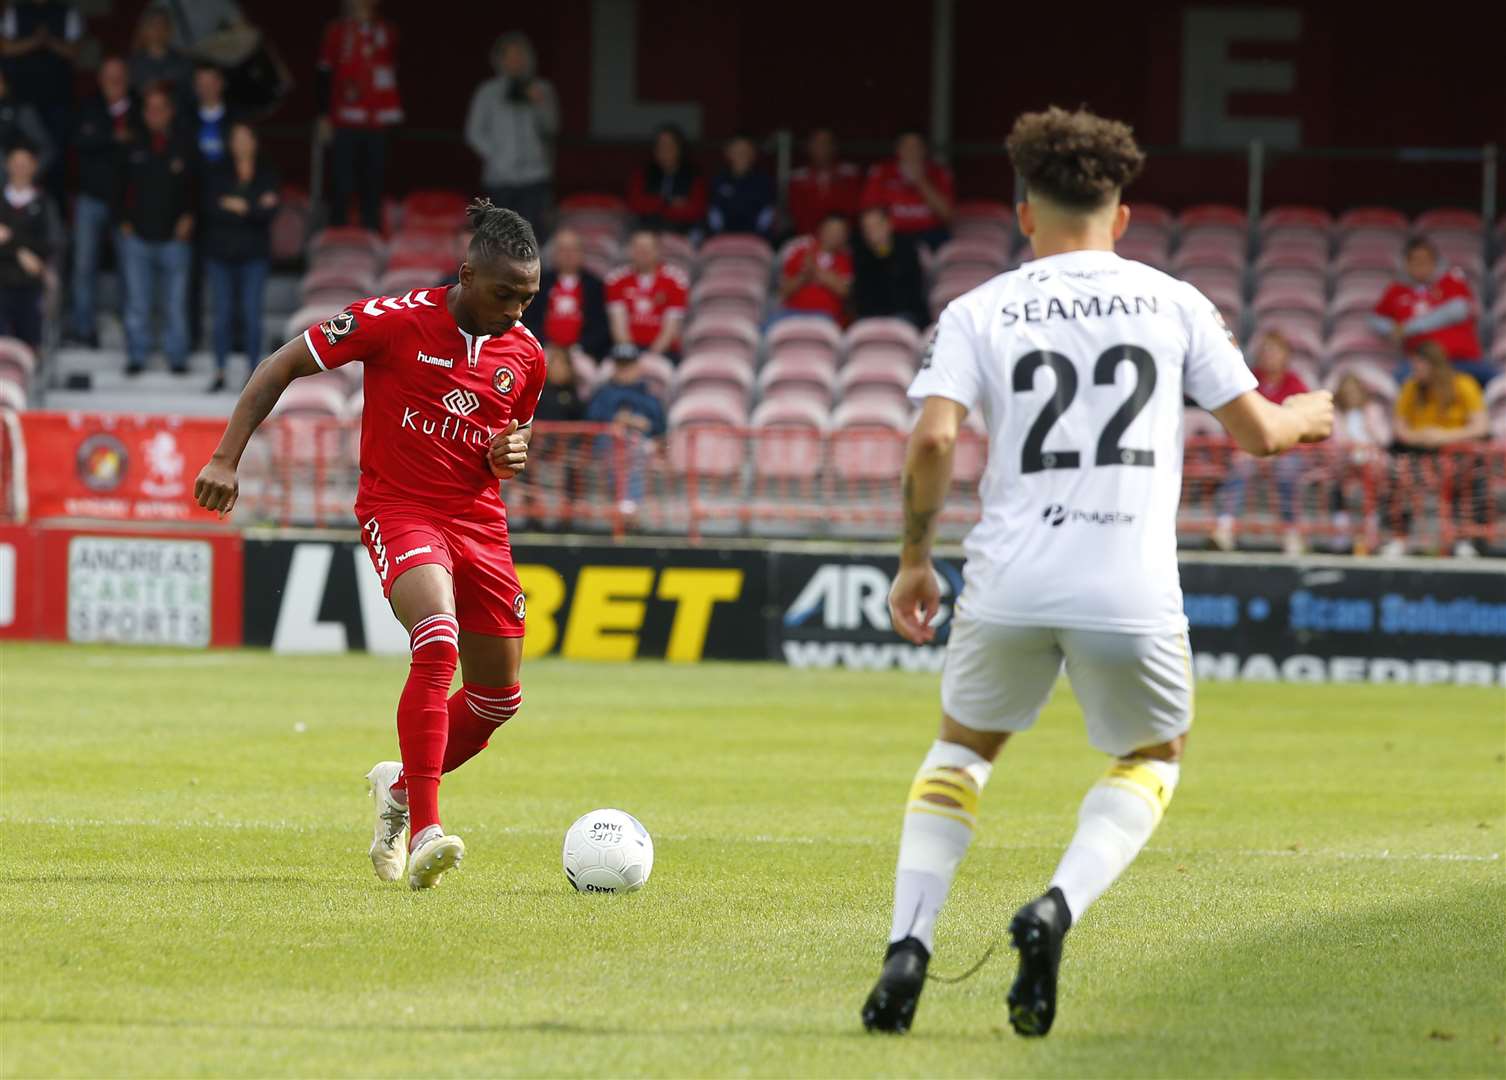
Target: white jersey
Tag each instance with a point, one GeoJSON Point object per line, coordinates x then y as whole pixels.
{"type": "Point", "coordinates": [1079, 363]}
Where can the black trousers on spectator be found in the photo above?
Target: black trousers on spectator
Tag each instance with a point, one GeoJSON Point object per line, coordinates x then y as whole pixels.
{"type": "Point", "coordinates": [21, 313]}
{"type": "Point", "coordinates": [1468, 492]}
{"type": "Point", "coordinates": [357, 158]}
{"type": "Point", "coordinates": [531, 201]}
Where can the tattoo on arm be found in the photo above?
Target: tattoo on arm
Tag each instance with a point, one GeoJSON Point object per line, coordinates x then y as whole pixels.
{"type": "Point", "coordinates": [917, 519]}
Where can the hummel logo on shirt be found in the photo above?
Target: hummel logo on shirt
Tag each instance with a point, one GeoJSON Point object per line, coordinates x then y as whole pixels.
{"type": "Point", "coordinates": [437, 361]}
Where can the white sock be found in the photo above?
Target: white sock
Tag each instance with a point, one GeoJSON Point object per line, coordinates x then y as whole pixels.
{"type": "Point", "coordinates": [939, 820]}
{"type": "Point", "coordinates": [1117, 817]}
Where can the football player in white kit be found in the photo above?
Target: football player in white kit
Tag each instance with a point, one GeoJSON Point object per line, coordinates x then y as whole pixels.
{"type": "Point", "coordinates": [1078, 362]}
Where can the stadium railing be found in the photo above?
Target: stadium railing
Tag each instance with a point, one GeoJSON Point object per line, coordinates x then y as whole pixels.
{"type": "Point", "coordinates": [713, 480]}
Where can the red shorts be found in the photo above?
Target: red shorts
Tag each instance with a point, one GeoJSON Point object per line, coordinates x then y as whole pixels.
{"type": "Point", "coordinates": [488, 599]}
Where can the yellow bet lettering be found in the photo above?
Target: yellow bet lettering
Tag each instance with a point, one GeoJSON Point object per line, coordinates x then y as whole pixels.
{"type": "Point", "coordinates": [544, 589]}
{"type": "Point", "coordinates": [607, 612]}
{"type": "Point", "coordinates": [695, 593]}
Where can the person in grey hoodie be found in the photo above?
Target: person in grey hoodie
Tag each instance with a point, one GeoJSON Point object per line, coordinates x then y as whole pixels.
{"type": "Point", "coordinates": [511, 125]}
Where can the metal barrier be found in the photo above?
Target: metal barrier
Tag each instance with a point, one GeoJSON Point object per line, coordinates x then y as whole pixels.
{"type": "Point", "coordinates": [710, 480]}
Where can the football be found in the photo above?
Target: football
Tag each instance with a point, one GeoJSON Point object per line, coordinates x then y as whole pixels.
{"type": "Point", "coordinates": [608, 851]}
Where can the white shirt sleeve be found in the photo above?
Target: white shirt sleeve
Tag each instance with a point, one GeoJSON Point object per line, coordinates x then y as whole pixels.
{"type": "Point", "coordinates": [1215, 372]}
{"type": "Point", "coordinates": [952, 365]}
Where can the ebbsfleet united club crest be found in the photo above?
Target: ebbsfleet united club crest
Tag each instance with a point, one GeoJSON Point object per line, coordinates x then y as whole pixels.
{"type": "Point", "coordinates": [337, 327]}
{"type": "Point", "coordinates": [503, 380]}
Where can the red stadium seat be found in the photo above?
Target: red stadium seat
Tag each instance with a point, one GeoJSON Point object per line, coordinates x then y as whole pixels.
{"type": "Point", "coordinates": [873, 369]}
{"type": "Point", "coordinates": [813, 330]}
{"type": "Point", "coordinates": [893, 335]}
{"type": "Point", "coordinates": [323, 395]}
{"type": "Point", "coordinates": [725, 333]}
{"type": "Point", "coordinates": [802, 367]}
{"type": "Point", "coordinates": [1208, 251]}
{"type": "Point", "coordinates": [729, 296]}
{"type": "Point", "coordinates": [1300, 221]}
{"type": "Point", "coordinates": [1227, 222]}
{"type": "Point", "coordinates": [730, 373]}
{"type": "Point", "coordinates": [1219, 279]}
{"type": "Point", "coordinates": [979, 257]}
{"type": "Point", "coordinates": [1149, 219]}
{"type": "Point", "coordinates": [345, 236]}
{"type": "Point", "coordinates": [347, 278]}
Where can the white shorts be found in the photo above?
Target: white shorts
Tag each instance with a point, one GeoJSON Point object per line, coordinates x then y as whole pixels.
{"type": "Point", "coordinates": [1135, 689]}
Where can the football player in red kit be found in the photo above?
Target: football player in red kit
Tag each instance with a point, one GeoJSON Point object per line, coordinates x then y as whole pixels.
{"type": "Point", "coordinates": [451, 381]}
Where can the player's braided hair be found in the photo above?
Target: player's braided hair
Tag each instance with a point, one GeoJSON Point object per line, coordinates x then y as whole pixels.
{"type": "Point", "coordinates": [498, 232]}
{"type": "Point", "coordinates": [1074, 159]}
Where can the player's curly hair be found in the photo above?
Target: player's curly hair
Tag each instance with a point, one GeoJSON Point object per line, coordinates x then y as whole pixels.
{"type": "Point", "coordinates": [497, 232]}
{"type": "Point", "coordinates": [1074, 159]}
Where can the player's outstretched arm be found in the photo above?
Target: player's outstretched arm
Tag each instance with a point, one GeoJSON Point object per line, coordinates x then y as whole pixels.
{"type": "Point", "coordinates": [915, 597]}
{"type": "Point", "coordinates": [1262, 428]}
{"type": "Point", "coordinates": [217, 487]}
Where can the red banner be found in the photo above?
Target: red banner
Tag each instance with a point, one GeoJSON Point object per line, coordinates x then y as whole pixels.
{"type": "Point", "coordinates": [116, 467]}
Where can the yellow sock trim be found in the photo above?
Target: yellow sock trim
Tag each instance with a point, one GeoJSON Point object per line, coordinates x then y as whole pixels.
{"type": "Point", "coordinates": [953, 785]}
{"type": "Point", "coordinates": [1134, 775]}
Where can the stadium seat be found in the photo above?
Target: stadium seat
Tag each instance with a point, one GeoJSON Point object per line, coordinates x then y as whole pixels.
{"type": "Point", "coordinates": [1360, 345]}
{"type": "Point", "coordinates": [1202, 222]}
{"type": "Point", "coordinates": [1303, 224]}
{"type": "Point", "coordinates": [1150, 220]}
{"type": "Point", "coordinates": [730, 373]}
{"type": "Point", "coordinates": [951, 286]}
{"type": "Point", "coordinates": [800, 367]}
{"type": "Point", "coordinates": [751, 251]}
{"type": "Point", "coordinates": [892, 335]}
{"type": "Point", "coordinates": [1380, 384]}
{"type": "Point", "coordinates": [1221, 279]}
{"type": "Point", "coordinates": [339, 277]}
{"type": "Point", "coordinates": [1289, 306]}
{"type": "Point", "coordinates": [345, 236]}
{"type": "Point", "coordinates": [729, 296]}
{"type": "Point", "coordinates": [434, 209]}
{"type": "Point", "coordinates": [791, 411]}
{"type": "Point", "coordinates": [704, 435]}
{"type": "Point", "coordinates": [316, 311]}
{"type": "Point", "coordinates": [1450, 221]}
{"type": "Point", "coordinates": [323, 395]}
{"type": "Point", "coordinates": [984, 221]}
{"type": "Point", "coordinates": [1151, 249]}
{"type": "Point", "coordinates": [17, 361]}
{"type": "Point", "coordinates": [723, 333]}
{"type": "Point", "coordinates": [405, 278]}
{"type": "Point", "coordinates": [978, 257]}
{"type": "Point", "coordinates": [788, 439]}
{"type": "Point", "coordinates": [868, 442]}
{"type": "Point", "coordinates": [870, 369]}
{"type": "Point", "coordinates": [814, 330]}
{"type": "Point", "coordinates": [1371, 224]}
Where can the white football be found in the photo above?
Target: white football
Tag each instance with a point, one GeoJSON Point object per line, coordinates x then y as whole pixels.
{"type": "Point", "coordinates": [608, 851]}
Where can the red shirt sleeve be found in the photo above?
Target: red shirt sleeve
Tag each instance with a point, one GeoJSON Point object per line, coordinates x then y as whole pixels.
{"type": "Point", "coordinates": [1294, 385]}
{"type": "Point", "coordinates": [1386, 305]}
{"type": "Point", "coordinates": [354, 334]}
{"type": "Point", "coordinates": [1455, 286]}
{"type": "Point", "coordinates": [639, 200]}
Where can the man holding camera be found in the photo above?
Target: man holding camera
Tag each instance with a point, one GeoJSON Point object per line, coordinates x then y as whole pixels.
{"type": "Point", "coordinates": [511, 125]}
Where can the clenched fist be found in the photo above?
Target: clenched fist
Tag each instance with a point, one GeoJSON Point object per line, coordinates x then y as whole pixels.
{"type": "Point", "coordinates": [508, 454]}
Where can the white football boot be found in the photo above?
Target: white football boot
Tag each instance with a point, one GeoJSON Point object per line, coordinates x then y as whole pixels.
{"type": "Point", "coordinates": [389, 842]}
{"type": "Point", "coordinates": [433, 853]}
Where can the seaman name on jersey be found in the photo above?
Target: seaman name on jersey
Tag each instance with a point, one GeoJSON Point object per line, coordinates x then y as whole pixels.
{"type": "Point", "coordinates": [1091, 307]}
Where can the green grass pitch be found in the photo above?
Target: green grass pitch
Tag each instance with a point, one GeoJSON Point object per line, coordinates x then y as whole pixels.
{"type": "Point", "coordinates": [186, 890]}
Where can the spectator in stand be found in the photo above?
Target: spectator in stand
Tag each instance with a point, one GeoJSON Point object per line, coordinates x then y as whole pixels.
{"type": "Point", "coordinates": [570, 309]}
{"type": "Point", "coordinates": [29, 234]}
{"type": "Point", "coordinates": [561, 401]}
{"type": "Point", "coordinates": [40, 46]}
{"type": "Point", "coordinates": [1360, 432]}
{"type": "Point", "coordinates": [627, 402]}
{"type": "Point", "coordinates": [823, 185]}
{"type": "Point", "coordinates": [19, 123]}
{"type": "Point", "coordinates": [668, 194]}
{"type": "Point", "coordinates": [1433, 305]}
{"type": "Point", "coordinates": [156, 226]}
{"type": "Point", "coordinates": [209, 125]}
{"type": "Point", "coordinates": [511, 125]}
{"type": "Point", "coordinates": [107, 123]}
{"type": "Point", "coordinates": [886, 274]}
{"type": "Point", "coordinates": [915, 190]}
{"type": "Point", "coordinates": [239, 202]}
{"type": "Point", "coordinates": [646, 302]}
{"type": "Point", "coordinates": [154, 61]}
{"type": "Point", "coordinates": [817, 272]}
{"type": "Point", "coordinates": [1439, 406]}
{"type": "Point", "coordinates": [357, 102]}
{"type": "Point", "coordinates": [1276, 382]}
{"type": "Point", "coordinates": [742, 195]}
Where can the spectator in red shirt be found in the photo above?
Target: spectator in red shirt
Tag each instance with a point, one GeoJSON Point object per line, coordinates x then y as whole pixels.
{"type": "Point", "coordinates": [817, 272]}
{"type": "Point", "coordinates": [915, 190]}
{"type": "Point", "coordinates": [1276, 382]}
{"type": "Point", "coordinates": [1433, 306]}
{"type": "Point", "coordinates": [668, 193]}
{"type": "Point", "coordinates": [570, 309]}
{"type": "Point", "coordinates": [823, 186]}
{"type": "Point", "coordinates": [358, 101]}
{"type": "Point", "coordinates": [646, 302]}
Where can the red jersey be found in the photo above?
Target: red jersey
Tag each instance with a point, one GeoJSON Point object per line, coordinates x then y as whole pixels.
{"type": "Point", "coordinates": [814, 296]}
{"type": "Point", "coordinates": [435, 397]}
{"type": "Point", "coordinates": [361, 59]}
{"type": "Point", "coordinates": [1405, 300]}
{"type": "Point", "coordinates": [1278, 390]}
{"type": "Point", "coordinates": [648, 299]}
{"type": "Point", "coordinates": [566, 315]}
{"type": "Point", "coordinates": [816, 193]}
{"type": "Point", "coordinates": [907, 207]}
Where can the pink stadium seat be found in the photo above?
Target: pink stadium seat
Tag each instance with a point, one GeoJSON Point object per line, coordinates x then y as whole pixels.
{"type": "Point", "coordinates": [729, 373]}
{"type": "Point", "coordinates": [895, 335]}
{"type": "Point", "coordinates": [336, 278]}
{"type": "Point", "coordinates": [1447, 219]}
{"type": "Point", "coordinates": [1229, 302]}
{"type": "Point", "coordinates": [1220, 279]}
{"type": "Point", "coordinates": [868, 443]}
{"type": "Point", "coordinates": [1360, 345]}
{"type": "Point", "coordinates": [724, 333]}
{"type": "Point", "coordinates": [872, 369]}
{"type": "Point", "coordinates": [1281, 303]}
{"type": "Point", "coordinates": [752, 250]}
{"type": "Point", "coordinates": [1376, 224]}
{"type": "Point", "coordinates": [729, 296]}
{"type": "Point", "coordinates": [1304, 221]}
{"type": "Point", "coordinates": [799, 366]}
{"type": "Point", "coordinates": [316, 396]}
{"type": "Point", "coordinates": [1292, 255]}
{"type": "Point", "coordinates": [704, 433]}
{"type": "Point", "coordinates": [345, 236]}
{"type": "Point", "coordinates": [1208, 252]}
{"type": "Point", "coordinates": [978, 257]}
{"type": "Point", "coordinates": [401, 280]}
{"type": "Point", "coordinates": [1314, 247]}
{"type": "Point", "coordinates": [952, 285]}
{"type": "Point", "coordinates": [708, 405]}
{"type": "Point", "coordinates": [1146, 248]}
{"type": "Point", "coordinates": [1353, 297]}
{"type": "Point", "coordinates": [792, 411]}
{"type": "Point", "coordinates": [17, 361]}
{"type": "Point", "coordinates": [1228, 222]}
{"type": "Point", "coordinates": [676, 248]}
{"type": "Point", "coordinates": [1367, 256]}
{"type": "Point", "coordinates": [1148, 219]}
{"type": "Point", "coordinates": [316, 311]}
{"type": "Point", "coordinates": [815, 330]}
{"type": "Point", "coordinates": [983, 221]}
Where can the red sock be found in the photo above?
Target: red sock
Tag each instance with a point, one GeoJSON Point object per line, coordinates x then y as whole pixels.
{"type": "Point", "coordinates": [476, 712]}
{"type": "Point", "coordinates": [423, 718]}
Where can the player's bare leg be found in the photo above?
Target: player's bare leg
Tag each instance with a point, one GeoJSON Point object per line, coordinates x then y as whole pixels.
{"type": "Point", "coordinates": [939, 819]}
{"type": "Point", "coordinates": [423, 600]}
{"type": "Point", "coordinates": [1117, 818]}
{"type": "Point", "coordinates": [490, 694]}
